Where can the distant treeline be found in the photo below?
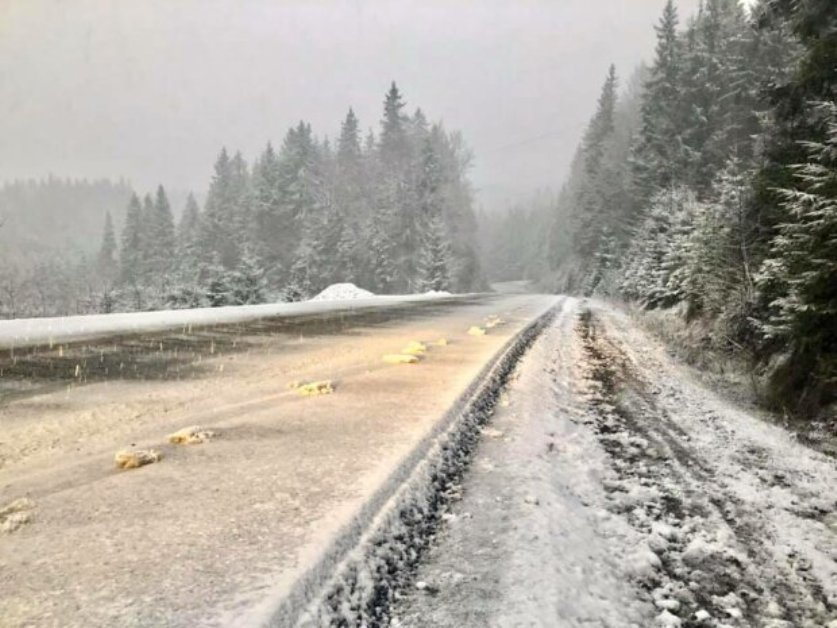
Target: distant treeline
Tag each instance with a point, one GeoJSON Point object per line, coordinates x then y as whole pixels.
{"type": "Point", "coordinates": [711, 187]}
{"type": "Point", "coordinates": [390, 212]}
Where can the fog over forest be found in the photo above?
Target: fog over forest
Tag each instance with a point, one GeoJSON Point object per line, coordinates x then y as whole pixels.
{"type": "Point", "coordinates": [150, 91]}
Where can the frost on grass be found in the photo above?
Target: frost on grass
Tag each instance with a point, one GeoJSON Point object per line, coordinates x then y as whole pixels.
{"type": "Point", "coordinates": [192, 435]}
{"type": "Point", "coordinates": [127, 459]}
{"type": "Point", "coordinates": [16, 514]}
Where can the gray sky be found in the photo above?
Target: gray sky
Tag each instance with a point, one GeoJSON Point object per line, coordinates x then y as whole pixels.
{"type": "Point", "coordinates": [150, 90]}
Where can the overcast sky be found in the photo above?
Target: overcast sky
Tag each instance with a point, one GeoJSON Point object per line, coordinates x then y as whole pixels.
{"type": "Point", "coordinates": [150, 90]}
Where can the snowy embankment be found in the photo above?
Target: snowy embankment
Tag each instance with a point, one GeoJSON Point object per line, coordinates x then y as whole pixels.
{"type": "Point", "coordinates": [356, 578]}
{"type": "Point", "coordinates": [28, 332]}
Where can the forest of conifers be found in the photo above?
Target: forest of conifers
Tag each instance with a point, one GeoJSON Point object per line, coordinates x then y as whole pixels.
{"type": "Point", "coordinates": [391, 212]}
{"type": "Point", "coordinates": [710, 186]}
{"type": "Point", "coordinates": [705, 185]}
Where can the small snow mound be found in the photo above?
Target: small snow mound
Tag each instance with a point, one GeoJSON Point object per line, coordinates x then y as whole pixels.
{"type": "Point", "coordinates": [342, 292]}
{"type": "Point", "coordinates": [438, 293]}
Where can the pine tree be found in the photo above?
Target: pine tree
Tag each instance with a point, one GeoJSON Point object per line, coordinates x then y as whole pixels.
{"type": "Point", "coordinates": [106, 261]}
{"type": "Point", "coordinates": [269, 218]}
{"type": "Point", "coordinates": [131, 250]}
{"type": "Point", "coordinates": [601, 126]}
{"type": "Point", "coordinates": [160, 245]}
{"type": "Point", "coordinates": [394, 145]}
{"type": "Point", "coordinates": [591, 204]}
{"type": "Point", "coordinates": [800, 276]}
{"type": "Point", "coordinates": [658, 157]}
{"type": "Point", "coordinates": [434, 263]}
{"type": "Point", "coordinates": [247, 282]}
{"type": "Point", "coordinates": [188, 236]}
{"type": "Point", "coordinates": [220, 225]}
{"type": "Point", "coordinates": [381, 270]}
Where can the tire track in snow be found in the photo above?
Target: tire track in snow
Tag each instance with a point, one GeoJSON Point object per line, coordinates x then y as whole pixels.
{"type": "Point", "coordinates": [716, 561]}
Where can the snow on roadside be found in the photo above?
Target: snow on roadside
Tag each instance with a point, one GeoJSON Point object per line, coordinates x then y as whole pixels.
{"type": "Point", "coordinates": [623, 494]}
{"type": "Point", "coordinates": [342, 292]}
{"type": "Point", "coordinates": [27, 332]}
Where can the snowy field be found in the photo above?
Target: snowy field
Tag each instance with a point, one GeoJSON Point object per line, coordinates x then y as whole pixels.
{"type": "Point", "coordinates": [28, 332]}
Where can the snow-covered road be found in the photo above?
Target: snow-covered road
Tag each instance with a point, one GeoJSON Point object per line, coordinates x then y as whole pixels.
{"type": "Point", "coordinates": [217, 534]}
{"type": "Point", "coordinates": [591, 483]}
{"type": "Point", "coordinates": [612, 489]}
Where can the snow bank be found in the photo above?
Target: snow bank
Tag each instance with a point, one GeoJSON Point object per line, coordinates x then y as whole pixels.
{"type": "Point", "coordinates": [342, 292]}
{"type": "Point", "coordinates": [28, 332]}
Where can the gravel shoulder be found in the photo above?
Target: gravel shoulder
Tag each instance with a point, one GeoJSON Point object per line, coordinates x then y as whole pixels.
{"type": "Point", "coordinates": [614, 489]}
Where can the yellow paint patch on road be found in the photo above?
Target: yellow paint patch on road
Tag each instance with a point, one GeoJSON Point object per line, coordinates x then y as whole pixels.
{"type": "Point", "coordinates": [192, 435]}
{"type": "Point", "coordinates": [134, 459]}
{"type": "Point", "coordinates": [313, 389]}
{"type": "Point", "coordinates": [400, 358]}
{"type": "Point", "coordinates": [415, 348]}
{"type": "Point", "coordinates": [15, 514]}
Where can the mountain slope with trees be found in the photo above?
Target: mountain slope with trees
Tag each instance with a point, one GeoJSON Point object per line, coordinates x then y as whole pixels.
{"type": "Point", "coordinates": [709, 187]}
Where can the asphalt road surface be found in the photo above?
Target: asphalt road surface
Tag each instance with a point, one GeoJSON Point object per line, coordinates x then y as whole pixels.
{"type": "Point", "coordinates": [214, 534]}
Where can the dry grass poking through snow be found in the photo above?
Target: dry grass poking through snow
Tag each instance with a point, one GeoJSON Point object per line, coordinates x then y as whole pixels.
{"type": "Point", "coordinates": [476, 331]}
{"type": "Point", "coordinates": [134, 459]}
{"type": "Point", "coordinates": [192, 435]}
{"type": "Point", "coordinates": [15, 514]}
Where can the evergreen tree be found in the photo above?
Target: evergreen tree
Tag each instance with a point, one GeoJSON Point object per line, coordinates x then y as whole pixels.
{"type": "Point", "coordinates": [270, 221]}
{"type": "Point", "coordinates": [394, 146]}
{"type": "Point", "coordinates": [800, 275]}
{"type": "Point", "coordinates": [381, 270]}
{"type": "Point", "coordinates": [131, 250]}
{"type": "Point", "coordinates": [188, 236]}
{"type": "Point", "coordinates": [434, 263]}
{"type": "Point", "coordinates": [247, 283]}
{"type": "Point", "coordinates": [160, 246]}
{"type": "Point", "coordinates": [107, 252]}
{"type": "Point", "coordinates": [658, 157]}
{"type": "Point", "coordinates": [220, 226]}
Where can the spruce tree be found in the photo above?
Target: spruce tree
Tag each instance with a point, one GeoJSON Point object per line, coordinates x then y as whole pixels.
{"type": "Point", "coordinates": [799, 278]}
{"type": "Point", "coordinates": [394, 146]}
{"type": "Point", "coordinates": [106, 261]}
{"type": "Point", "coordinates": [131, 251]}
{"type": "Point", "coordinates": [220, 225]}
{"type": "Point", "coordinates": [434, 261]}
{"type": "Point", "coordinates": [658, 156]}
{"type": "Point", "coordinates": [161, 246]}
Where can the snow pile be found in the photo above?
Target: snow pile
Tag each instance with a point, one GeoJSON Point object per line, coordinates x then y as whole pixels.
{"type": "Point", "coordinates": [28, 332]}
{"type": "Point", "coordinates": [438, 293]}
{"type": "Point", "coordinates": [342, 292]}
